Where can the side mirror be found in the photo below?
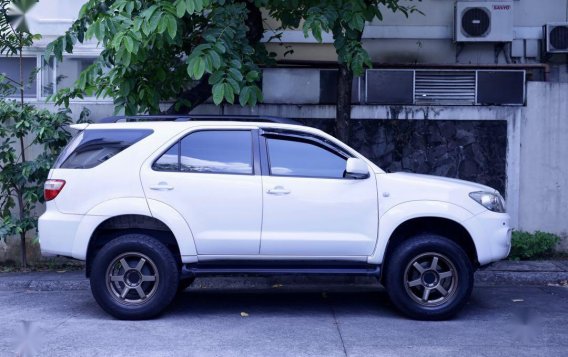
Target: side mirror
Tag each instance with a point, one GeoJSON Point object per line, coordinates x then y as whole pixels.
{"type": "Point", "coordinates": [356, 169]}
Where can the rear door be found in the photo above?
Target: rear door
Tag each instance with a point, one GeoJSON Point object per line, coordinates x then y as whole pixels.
{"type": "Point", "coordinates": [310, 208]}
{"type": "Point", "coordinates": [209, 177]}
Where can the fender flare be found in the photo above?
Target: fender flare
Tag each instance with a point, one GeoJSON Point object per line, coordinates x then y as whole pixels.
{"type": "Point", "coordinates": [397, 215]}
{"type": "Point", "coordinates": [134, 206]}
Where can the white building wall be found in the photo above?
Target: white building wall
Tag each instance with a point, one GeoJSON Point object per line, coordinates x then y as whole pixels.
{"type": "Point", "coordinates": [51, 18]}
{"type": "Point", "coordinates": [543, 190]}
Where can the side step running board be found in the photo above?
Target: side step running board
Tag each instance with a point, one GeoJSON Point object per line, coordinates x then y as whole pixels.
{"type": "Point", "coordinates": [196, 270]}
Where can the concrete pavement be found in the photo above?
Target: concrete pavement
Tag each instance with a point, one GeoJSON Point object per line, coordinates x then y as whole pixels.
{"type": "Point", "coordinates": [498, 321]}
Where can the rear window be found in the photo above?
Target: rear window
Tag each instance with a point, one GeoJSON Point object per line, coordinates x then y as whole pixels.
{"type": "Point", "coordinates": [93, 147]}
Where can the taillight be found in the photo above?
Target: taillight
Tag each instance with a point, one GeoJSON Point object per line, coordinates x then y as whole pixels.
{"type": "Point", "coordinates": [51, 189]}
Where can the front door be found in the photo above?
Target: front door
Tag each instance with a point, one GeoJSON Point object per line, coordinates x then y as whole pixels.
{"type": "Point", "coordinates": [310, 209]}
{"type": "Point", "coordinates": [209, 178]}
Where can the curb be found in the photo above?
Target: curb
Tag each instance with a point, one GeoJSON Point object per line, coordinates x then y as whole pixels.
{"type": "Point", "coordinates": [76, 281]}
{"type": "Point", "coordinates": [520, 278]}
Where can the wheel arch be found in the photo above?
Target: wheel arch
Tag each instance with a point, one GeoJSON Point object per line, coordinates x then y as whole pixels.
{"type": "Point", "coordinates": [441, 226]}
{"type": "Point", "coordinates": [113, 227]}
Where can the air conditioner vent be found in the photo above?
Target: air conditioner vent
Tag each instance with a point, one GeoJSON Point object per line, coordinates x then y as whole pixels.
{"type": "Point", "coordinates": [476, 22]}
{"type": "Point", "coordinates": [445, 87]}
{"type": "Point", "coordinates": [556, 38]}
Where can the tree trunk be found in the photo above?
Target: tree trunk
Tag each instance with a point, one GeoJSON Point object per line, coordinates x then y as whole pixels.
{"type": "Point", "coordinates": [20, 193]}
{"type": "Point", "coordinates": [23, 250]}
{"type": "Point", "coordinates": [343, 108]}
{"type": "Point", "coordinates": [197, 95]}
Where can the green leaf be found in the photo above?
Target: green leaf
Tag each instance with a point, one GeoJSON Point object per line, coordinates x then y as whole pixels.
{"type": "Point", "coordinates": [190, 6]}
{"type": "Point", "coordinates": [191, 65]}
{"type": "Point", "coordinates": [220, 47]}
{"type": "Point", "coordinates": [252, 76]}
{"type": "Point", "coordinates": [99, 31]}
{"type": "Point", "coordinates": [198, 5]}
{"type": "Point", "coordinates": [128, 43]}
{"type": "Point", "coordinates": [236, 86]}
{"type": "Point", "coordinates": [208, 63]}
{"type": "Point", "coordinates": [244, 96]}
{"type": "Point", "coordinates": [198, 68]}
{"type": "Point", "coordinates": [181, 8]}
{"type": "Point", "coordinates": [216, 77]}
{"type": "Point", "coordinates": [236, 63]}
{"type": "Point", "coordinates": [218, 93]}
{"type": "Point", "coordinates": [215, 59]}
{"type": "Point", "coordinates": [172, 27]}
{"type": "Point", "coordinates": [229, 93]}
{"type": "Point", "coordinates": [236, 74]}
{"type": "Point", "coordinates": [154, 21]}
{"type": "Point", "coordinates": [149, 11]}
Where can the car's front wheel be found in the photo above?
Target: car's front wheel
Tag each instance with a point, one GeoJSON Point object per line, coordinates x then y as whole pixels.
{"type": "Point", "coordinates": [134, 277]}
{"type": "Point", "coordinates": [429, 277]}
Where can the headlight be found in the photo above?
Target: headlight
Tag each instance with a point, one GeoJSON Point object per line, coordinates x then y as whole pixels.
{"type": "Point", "coordinates": [492, 201]}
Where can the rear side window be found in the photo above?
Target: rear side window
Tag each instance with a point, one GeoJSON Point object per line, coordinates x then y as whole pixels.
{"type": "Point", "coordinates": [212, 151]}
{"type": "Point", "coordinates": [93, 147]}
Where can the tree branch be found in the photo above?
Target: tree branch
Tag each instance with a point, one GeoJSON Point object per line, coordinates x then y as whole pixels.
{"type": "Point", "coordinates": [200, 92]}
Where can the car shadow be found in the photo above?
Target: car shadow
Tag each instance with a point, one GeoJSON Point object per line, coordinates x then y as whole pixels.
{"type": "Point", "coordinates": [277, 302]}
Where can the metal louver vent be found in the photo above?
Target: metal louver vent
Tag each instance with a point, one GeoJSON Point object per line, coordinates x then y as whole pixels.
{"type": "Point", "coordinates": [445, 87]}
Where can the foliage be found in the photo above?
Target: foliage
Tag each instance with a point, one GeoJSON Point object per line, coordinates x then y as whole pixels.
{"type": "Point", "coordinates": [345, 19]}
{"type": "Point", "coordinates": [13, 39]}
{"type": "Point", "coordinates": [21, 179]}
{"type": "Point", "coordinates": [526, 246]}
{"type": "Point", "coordinates": [155, 50]}
{"type": "Point", "coordinates": [23, 126]}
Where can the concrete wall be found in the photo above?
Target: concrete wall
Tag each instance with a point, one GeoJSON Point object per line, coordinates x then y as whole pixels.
{"type": "Point", "coordinates": [543, 190]}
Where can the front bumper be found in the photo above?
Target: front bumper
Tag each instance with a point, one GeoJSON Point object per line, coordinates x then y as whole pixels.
{"type": "Point", "coordinates": [491, 233]}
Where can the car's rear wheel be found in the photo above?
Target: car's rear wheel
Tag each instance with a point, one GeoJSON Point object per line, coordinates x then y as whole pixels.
{"type": "Point", "coordinates": [429, 277]}
{"type": "Point", "coordinates": [134, 277]}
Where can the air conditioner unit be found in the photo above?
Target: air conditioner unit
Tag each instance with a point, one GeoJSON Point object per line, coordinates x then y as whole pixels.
{"type": "Point", "coordinates": [556, 37]}
{"type": "Point", "coordinates": [484, 21]}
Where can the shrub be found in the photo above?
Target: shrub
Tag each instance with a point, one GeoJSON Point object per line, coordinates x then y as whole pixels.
{"type": "Point", "coordinates": [527, 246]}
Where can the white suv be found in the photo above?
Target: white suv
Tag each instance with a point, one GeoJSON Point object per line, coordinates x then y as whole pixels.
{"type": "Point", "coordinates": [151, 203]}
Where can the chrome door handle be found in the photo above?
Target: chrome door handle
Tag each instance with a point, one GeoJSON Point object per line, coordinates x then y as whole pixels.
{"type": "Point", "coordinates": [162, 186]}
{"type": "Point", "coordinates": [278, 190]}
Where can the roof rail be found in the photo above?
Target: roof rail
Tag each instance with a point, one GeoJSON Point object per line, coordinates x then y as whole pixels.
{"type": "Point", "coordinates": [198, 117]}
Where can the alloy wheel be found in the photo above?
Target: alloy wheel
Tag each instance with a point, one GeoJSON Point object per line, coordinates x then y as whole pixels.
{"type": "Point", "coordinates": [431, 279]}
{"type": "Point", "coordinates": [132, 278]}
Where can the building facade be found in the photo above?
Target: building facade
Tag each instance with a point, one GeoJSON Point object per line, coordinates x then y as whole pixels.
{"type": "Point", "coordinates": [469, 89]}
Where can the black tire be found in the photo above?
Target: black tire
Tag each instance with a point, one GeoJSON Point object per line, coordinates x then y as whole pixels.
{"type": "Point", "coordinates": [147, 259]}
{"type": "Point", "coordinates": [184, 284]}
{"type": "Point", "coordinates": [407, 283]}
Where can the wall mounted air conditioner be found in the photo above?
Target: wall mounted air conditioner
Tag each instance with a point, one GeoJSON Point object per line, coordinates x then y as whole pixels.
{"type": "Point", "coordinates": [556, 37]}
{"type": "Point", "coordinates": [484, 21]}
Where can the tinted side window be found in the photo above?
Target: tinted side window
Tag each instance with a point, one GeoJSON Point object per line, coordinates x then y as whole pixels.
{"type": "Point", "coordinates": [217, 151]}
{"type": "Point", "coordinates": [169, 161]}
{"type": "Point", "coordinates": [300, 158]}
{"type": "Point", "coordinates": [95, 146]}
